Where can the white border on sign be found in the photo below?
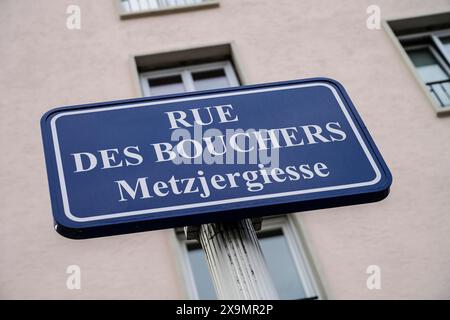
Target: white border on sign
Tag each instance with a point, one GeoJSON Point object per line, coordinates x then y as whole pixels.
{"type": "Point", "coordinates": [62, 182]}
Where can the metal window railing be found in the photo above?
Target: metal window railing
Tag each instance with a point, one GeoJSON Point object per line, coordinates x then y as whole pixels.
{"type": "Point", "coordinates": [144, 5]}
{"type": "Point", "coordinates": [440, 90]}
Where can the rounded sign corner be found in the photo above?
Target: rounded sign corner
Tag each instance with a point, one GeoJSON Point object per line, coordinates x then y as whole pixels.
{"type": "Point", "coordinates": [68, 232]}
{"type": "Point", "coordinates": [330, 81]}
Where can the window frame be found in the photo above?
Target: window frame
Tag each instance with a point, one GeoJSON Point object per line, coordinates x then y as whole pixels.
{"type": "Point", "coordinates": [313, 287]}
{"type": "Point", "coordinates": [428, 38]}
{"type": "Point", "coordinates": [186, 75]}
{"type": "Point", "coordinates": [123, 14]}
{"type": "Point", "coordinates": [436, 38]}
{"type": "Point", "coordinates": [296, 246]}
{"type": "Point", "coordinates": [439, 60]}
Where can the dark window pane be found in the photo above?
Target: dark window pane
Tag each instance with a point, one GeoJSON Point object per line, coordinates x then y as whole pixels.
{"type": "Point", "coordinates": [427, 66]}
{"type": "Point", "coordinates": [446, 44]}
{"type": "Point", "coordinates": [281, 266]}
{"type": "Point", "coordinates": [166, 85]}
{"type": "Point", "coordinates": [200, 270]}
{"type": "Point", "coordinates": [211, 79]}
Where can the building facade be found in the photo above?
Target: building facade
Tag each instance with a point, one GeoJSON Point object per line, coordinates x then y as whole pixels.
{"type": "Point", "coordinates": [397, 73]}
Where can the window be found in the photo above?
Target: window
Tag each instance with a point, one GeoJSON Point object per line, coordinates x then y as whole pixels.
{"type": "Point", "coordinates": [131, 8]}
{"type": "Point", "coordinates": [191, 78]}
{"type": "Point", "coordinates": [430, 60]}
{"type": "Point", "coordinates": [284, 254]}
{"type": "Point", "coordinates": [281, 246]}
{"type": "Point", "coordinates": [426, 41]}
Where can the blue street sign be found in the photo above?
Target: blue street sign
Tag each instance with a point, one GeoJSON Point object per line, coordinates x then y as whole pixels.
{"type": "Point", "coordinates": [199, 157]}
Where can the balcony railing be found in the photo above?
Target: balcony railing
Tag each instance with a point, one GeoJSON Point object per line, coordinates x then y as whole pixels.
{"type": "Point", "coordinates": [133, 6]}
{"type": "Point", "coordinates": [440, 90]}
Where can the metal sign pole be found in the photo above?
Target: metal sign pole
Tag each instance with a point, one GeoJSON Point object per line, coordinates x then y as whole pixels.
{"type": "Point", "coordinates": [235, 260]}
